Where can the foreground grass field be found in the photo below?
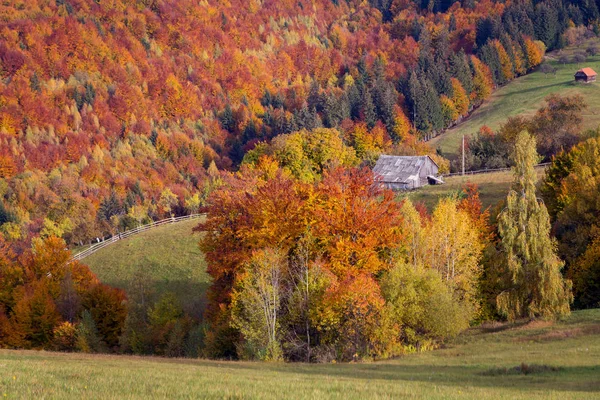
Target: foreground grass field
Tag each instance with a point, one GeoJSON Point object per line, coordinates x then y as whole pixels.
{"type": "Point", "coordinates": [493, 188]}
{"type": "Point", "coordinates": [533, 361]}
{"type": "Point", "coordinates": [524, 96]}
{"type": "Point", "coordinates": [168, 257]}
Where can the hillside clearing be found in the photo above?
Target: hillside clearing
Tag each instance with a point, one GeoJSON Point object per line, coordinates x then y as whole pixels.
{"type": "Point", "coordinates": [168, 256]}
{"type": "Point", "coordinates": [533, 361]}
{"type": "Point", "coordinates": [524, 96]}
{"type": "Point", "coordinates": [493, 188]}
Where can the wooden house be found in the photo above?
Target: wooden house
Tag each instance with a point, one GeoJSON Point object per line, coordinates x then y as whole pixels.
{"type": "Point", "coordinates": [405, 172]}
{"type": "Point", "coordinates": [585, 75]}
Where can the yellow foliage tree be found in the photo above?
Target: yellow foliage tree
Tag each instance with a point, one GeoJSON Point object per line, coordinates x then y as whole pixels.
{"type": "Point", "coordinates": [459, 97]}
{"type": "Point", "coordinates": [482, 80]}
{"type": "Point", "coordinates": [506, 64]}
{"type": "Point", "coordinates": [454, 247]}
{"type": "Point", "coordinates": [449, 111]}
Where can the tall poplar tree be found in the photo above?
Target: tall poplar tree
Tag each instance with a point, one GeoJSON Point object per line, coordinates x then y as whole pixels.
{"type": "Point", "coordinates": [535, 287]}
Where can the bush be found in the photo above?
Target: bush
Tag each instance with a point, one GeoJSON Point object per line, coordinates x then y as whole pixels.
{"type": "Point", "coordinates": [167, 326]}
{"type": "Point", "coordinates": [108, 308]}
{"type": "Point", "coordinates": [34, 318]}
{"type": "Point", "coordinates": [592, 50]}
{"type": "Point", "coordinates": [423, 306]}
{"type": "Point", "coordinates": [564, 59]}
{"type": "Point", "coordinates": [579, 58]}
{"type": "Point", "coordinates": [136, 335]}
{"type": "Point", "coordinates": [175, 346]}
{"type": "Point", "coordinates": [87, 337]}
{"type": "Point", "coordinates": [194, 344]}
{"type": "Point", "coordinates": [352, 317]}
{"type": "Point", "coordinates": [65, 337]}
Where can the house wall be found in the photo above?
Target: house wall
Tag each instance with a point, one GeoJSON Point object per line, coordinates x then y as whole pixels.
{"type": "Point", "coordinates": [416, 181]}
{"type": "Point", "coordinates": [403, 186]}
{"type": "Point", "coordinates": [583, 78]}
{"type": "Point", "coordinates": [428, 169]}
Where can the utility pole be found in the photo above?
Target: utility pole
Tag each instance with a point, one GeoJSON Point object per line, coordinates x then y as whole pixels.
{"type": "Point", "coordinates": [463, 155]}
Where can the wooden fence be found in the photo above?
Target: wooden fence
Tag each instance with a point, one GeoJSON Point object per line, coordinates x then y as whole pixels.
{"type": "Point", "coordinates": [124, 235]}
{"type": "Point", "coordinates": [489, 171]}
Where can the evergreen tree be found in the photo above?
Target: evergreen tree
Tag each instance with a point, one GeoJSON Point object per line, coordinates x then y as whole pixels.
{"type": "Point", "coordinates": [588, 10]}
{"type": "Point", "coordinates": [416, 102]}
{"type": "Point", "coordinates": [368, 109]}
{"type": "Point", "coordinates": [109, 207]}
{"type": "Point", "coordinates": [384, 97]}
{"type": "Point", "coordinates": [87, 336]}
{"type": "Point", "coordinates": [136, 334]}
{"type": "Point", "coordinates": [266, 100]}
{"type": "Point", "coordinates": [5, 215]}
{"type": "Point", "coordinates": [307, 119]}
{"type": "Point", "coordinates": [384, 6]}
{"type": "Point", "coordinates": [434, 107]}
{"type": "Point", "coordinates": [378, 71]}
{"type": "Point", "coordinates": [363, 71]}
{"type": "Point", "coordinates": [460, 69]}
{"type": "Point", "coordinates": [442, 48]}
{"type": "Point", "coordinates": [575, 14]}
{"type": "Point", "coordinates": [546, 24]}
{"type": "Point", "coordinates": [354, 100]}
{"type": "Point", "coordinates": [452, 23]}
{"type": "Point", "coordinates": [516, 20]}
{"type": "Point", "coordinates": [315, 99]}
{"type": "Point", "coordinates": [508, 47]}
{"type": "Point", "coordinates": [487, 28]}
{"type": "Point", "coordinates": [440, 77]}
{"type": "Point", "coordinates": [535, 286]}
{"type": "Point", "coordinates": [227, 119]}
{"type": "Point", "coordinates": [335, 110]}
{"type": "Point", "coordinates": [489, 56]}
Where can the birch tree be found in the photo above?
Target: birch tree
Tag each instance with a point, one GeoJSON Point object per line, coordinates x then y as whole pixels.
{"type": "Point", "coordinates": [535, 287]}
{"type": "Point", "coordinates": [455, 247]}
{"type": "Point", "coordinates": [256, 305]}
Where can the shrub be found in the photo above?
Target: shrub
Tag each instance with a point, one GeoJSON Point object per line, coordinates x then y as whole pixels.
{"type": "Point", "coordinates": [87, 337]}
{"type": "Point", "coordinates": [108, 308]}
{"type": "Point", "coordinates": [579, 58]}
{"type": "Point", "coordinates": [165, 319]}
{"type": "Point", "coordinates": [34, 318]}
{"type": "Point", "coordinates": [65, 337]}
{"type": "Point", "coordinates": [422, 306]}
{"type": "Point", "coordinates": [194, 344]}
{"type": "Point", "coordinates": [592, 50]}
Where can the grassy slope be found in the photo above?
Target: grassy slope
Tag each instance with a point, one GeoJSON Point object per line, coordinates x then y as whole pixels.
{"type": "Point", "coordinates": [493, 187]}
{"type": "Point", "coordinates": [471, 367]}
{"type": "Point", "coordinates": [169, 255]}
{"type": "Point", "coordinates": [524, 96]}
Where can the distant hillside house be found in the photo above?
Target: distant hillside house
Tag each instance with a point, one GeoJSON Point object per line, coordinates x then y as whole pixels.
{"type": "Point", "coordinates": [406, 172]}
{"type": "Point", "coordinates": [585, 75]}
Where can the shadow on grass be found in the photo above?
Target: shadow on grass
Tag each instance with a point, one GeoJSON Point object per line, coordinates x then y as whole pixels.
{"type": "Point", "coordinates": [536, 88]}
{"type": "Point", "coordinates": [549, 378]}
{"type": "Point", "coordinates": [192, 295]}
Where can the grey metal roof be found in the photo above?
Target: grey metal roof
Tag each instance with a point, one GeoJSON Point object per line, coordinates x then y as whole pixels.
{"type": "Point", "coordinates": [399, 169]}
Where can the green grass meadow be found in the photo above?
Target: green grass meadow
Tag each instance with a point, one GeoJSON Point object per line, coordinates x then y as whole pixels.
{"type": "Point", "coordinates": [524, 96]}
{"type": "Point", "coordinates": [562, 361]}
{"type": "Point", "coordinates": [493, 188]}
{"type": "Point", "coordinates": [168, 256]}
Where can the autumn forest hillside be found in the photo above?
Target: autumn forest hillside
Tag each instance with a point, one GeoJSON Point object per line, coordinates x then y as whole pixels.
{"type": "Point", "coordinates": [113, 113]}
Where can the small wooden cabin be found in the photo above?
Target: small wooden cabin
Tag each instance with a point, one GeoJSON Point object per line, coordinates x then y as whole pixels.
{"type": "Point", "coordinates": [585, 75]}
{"type": "Point", "coordinates": [405, 172]}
